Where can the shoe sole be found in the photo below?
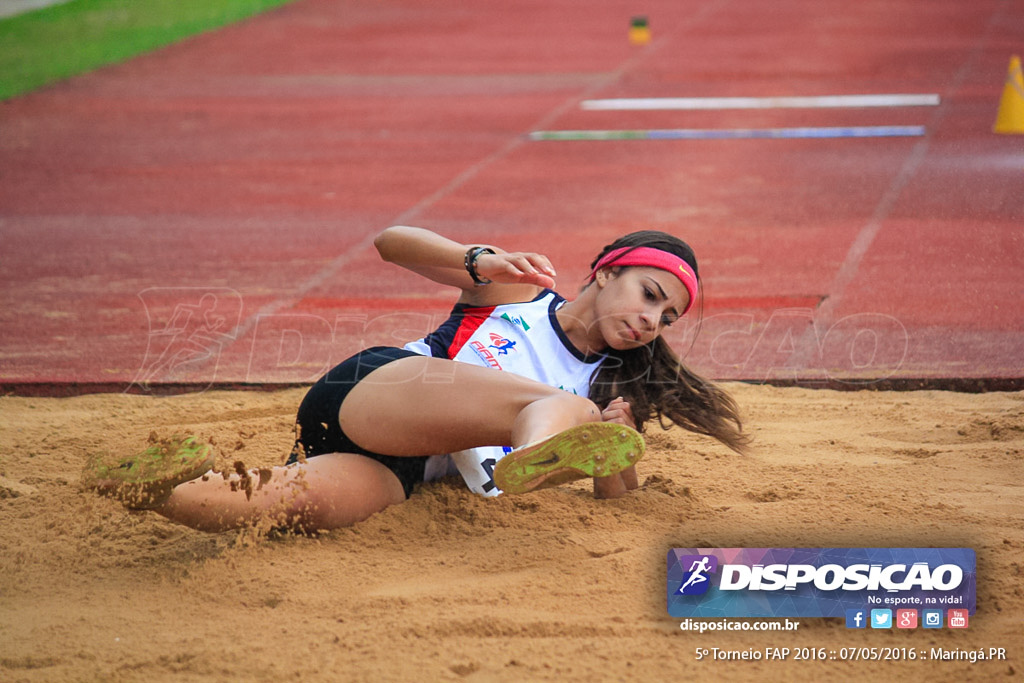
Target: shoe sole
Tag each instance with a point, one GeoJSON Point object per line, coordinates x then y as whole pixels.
{"type": "Point", "coordinates": [597, 449]}
{"type": "Point", "coordinates": [146, 479]}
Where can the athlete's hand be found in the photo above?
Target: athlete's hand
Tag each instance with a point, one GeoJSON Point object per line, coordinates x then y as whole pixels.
{"type": "Point", "coordinates": [516, 268]}
{"type": "Point", "coordinates": [617, 412]}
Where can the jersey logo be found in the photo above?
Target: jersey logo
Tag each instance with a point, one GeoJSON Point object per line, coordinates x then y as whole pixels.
{"type": "Point", "coordinates": [516, 320]}
{"type": "Point", "coordinates": [485, 355]}
{"type": "Point", "coordinates": [501, 344]}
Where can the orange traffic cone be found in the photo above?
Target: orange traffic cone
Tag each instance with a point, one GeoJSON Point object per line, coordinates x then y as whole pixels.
{"type": "Point", "coordinates": [1010, 118]}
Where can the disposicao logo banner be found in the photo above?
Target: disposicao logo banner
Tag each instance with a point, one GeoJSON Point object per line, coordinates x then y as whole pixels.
{"type": "Point", "coordinates": [817, 582]}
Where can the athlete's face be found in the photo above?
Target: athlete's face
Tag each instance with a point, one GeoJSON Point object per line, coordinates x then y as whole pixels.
{"type": "Point", "coordinates": [635, 305]}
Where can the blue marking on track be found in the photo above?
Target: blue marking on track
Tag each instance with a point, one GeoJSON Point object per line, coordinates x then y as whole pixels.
{"type": "Point", "coordinates": [731, 134]}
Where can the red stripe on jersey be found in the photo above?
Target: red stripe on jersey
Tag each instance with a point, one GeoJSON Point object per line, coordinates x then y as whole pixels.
{"type": "Point", "coordinates": [472, 319]}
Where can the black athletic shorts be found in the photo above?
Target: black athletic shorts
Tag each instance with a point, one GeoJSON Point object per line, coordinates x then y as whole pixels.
{"type": "Point", "coordinates": [316, 426]}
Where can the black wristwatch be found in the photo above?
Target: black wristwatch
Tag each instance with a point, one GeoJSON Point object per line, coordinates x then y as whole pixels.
{"type": "Point", "coordinates": [471, 256]}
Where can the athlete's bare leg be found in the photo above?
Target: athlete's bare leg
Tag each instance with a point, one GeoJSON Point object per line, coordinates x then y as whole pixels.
{"type": "Point", "coordinates": [411, 406]}
{"type": "Point", "coordinates": [420, 405]}
{"type": "Point", "coordinates": [325, 492]}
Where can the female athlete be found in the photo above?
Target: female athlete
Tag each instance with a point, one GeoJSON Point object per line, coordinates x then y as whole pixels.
{"type": "Point", "coordinates": [518, 390]}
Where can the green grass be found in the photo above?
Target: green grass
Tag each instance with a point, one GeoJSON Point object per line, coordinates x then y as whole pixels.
{"type": "Point", "coordinates": [58, 42]}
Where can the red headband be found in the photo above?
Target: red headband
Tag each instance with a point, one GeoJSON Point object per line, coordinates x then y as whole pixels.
{"type": "Point", "coordinates": [652, 258]}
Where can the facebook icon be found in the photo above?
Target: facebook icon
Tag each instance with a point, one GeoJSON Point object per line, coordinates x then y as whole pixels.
{"type": "Point", "coordinates": [856, 618]}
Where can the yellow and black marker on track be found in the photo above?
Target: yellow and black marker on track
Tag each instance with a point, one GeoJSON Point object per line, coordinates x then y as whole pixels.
{"type": "Point", "coordinates": [639, 31]}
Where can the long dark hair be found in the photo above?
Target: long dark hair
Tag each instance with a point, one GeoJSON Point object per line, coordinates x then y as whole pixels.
{"type": "Point", "coordinates": [655, 381]}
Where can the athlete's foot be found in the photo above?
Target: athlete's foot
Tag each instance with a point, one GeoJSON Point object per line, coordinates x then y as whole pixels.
{"type": "Point", "coordinates": [145, 480]}
{"type": "Point", "coordinates": [595, 449]}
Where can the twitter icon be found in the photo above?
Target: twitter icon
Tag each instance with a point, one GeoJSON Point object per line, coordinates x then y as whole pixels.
{"type": "Point", "coordinates": [881, 618]}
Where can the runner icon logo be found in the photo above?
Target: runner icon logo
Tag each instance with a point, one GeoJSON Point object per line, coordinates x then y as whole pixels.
{"type": "Point", "coordinates": [696, 580]}
{"type": "Point", "coordinates": [501, 344]}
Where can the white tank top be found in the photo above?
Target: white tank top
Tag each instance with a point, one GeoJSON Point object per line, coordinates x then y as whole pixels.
{"type": "Point", "coordinates": [522, 338]}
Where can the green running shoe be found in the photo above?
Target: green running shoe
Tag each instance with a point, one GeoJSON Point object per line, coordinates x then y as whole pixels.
{"type": "Point", "coordinates": [146, 480]}
{"type": "Point", "coordinates": [595, 449]}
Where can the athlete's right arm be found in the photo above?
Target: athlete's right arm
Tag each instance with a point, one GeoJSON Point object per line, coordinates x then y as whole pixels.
{"type": "Point", "coordinates": [617, 412]}
{"type": "Point", "coordinates": [442, 260]}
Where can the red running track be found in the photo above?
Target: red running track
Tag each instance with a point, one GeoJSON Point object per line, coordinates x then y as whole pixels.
{"type": "Point", "coordinates": [203, 215]}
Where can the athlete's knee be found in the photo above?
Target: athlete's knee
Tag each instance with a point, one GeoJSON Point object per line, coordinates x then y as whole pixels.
{"type": "Point", "coordinates": [583, 408]}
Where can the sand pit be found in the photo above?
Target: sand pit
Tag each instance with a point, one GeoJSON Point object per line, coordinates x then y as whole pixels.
{"type": "Point", "coordinates": [448, 586]}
